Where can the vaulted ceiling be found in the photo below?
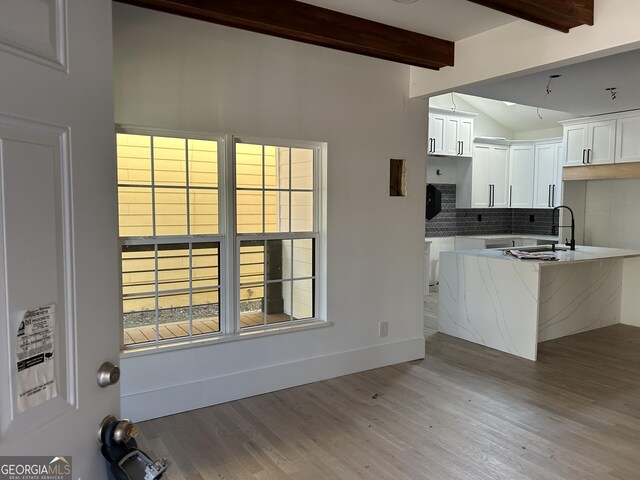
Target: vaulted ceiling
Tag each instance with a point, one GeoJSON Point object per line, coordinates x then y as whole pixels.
{"type": "Point", "coordinates": [420, 32]}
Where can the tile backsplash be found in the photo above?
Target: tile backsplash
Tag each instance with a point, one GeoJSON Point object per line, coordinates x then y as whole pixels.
{"type": "Point", "coordinates": [485, 221]}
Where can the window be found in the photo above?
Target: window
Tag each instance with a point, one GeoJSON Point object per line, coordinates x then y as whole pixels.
{"type": "Point", "coordinates": [183, 275]}
{"type": "Point", "coordinates": [277, 232]}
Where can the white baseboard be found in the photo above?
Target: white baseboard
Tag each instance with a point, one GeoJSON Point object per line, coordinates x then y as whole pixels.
{"type": "Point", "coordinates": [212, 391]}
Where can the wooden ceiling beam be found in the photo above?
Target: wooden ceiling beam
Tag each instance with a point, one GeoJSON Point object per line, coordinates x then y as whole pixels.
{"type": "Point", "coordinates": [560, 15]}
{"type": "Point", "coordinates": [302, 22]}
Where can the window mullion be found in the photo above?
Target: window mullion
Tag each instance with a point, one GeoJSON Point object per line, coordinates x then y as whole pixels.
{"type": "Point", "coordinates": [186, 182]}
{"type": "Point", "coordinates": [232, 248]}
{"type": "Point", "coordinates": [157, 297]}
{"type": "Point", "coordinates": [191, 291]}
{"type": "Point", "coordinates": [153, 188]}
{"type": "Point", "coordinates": [290, 230]}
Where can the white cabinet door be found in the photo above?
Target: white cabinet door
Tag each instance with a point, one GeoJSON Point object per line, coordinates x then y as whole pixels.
{"type": "Point", "coordinates": [556, 194]}
{"type": "Point", "coordinates": [499, 175]}
{"type": "Point", "coordinates": [545, 175]}
{"type": "Point", "coordinates": [628, 140]}
{"type": "Point", "coordinates": [480, 184]}
{"type": "Point", "coordinates": [450, 135]}
{"type": "Point", "coordinates": [58, 240]}
{"type": "Point", "coordinates": [575, 141]}
{"type": "Point", "coordinates": [465, 136]}
{"type": "Point", "coordinates": [490, 176]}
{"type": "Point", "coordinates": [590, 143]}
{"type": "Point", "coordinates": [436, 143]}
{"type": "Point", "coordinates": [452, 142]}
{"type": "Point", "coordinates": [602, 142]}
{"type": "Point", "coordinates": [521, 170]}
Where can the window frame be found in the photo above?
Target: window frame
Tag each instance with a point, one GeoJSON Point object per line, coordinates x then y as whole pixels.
{"type": "Point", "coordinates": [229, 241]}
{"type": "Point", "coordinates": [314, 234]}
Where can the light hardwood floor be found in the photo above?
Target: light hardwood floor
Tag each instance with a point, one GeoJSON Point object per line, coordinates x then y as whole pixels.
{"type": "Point", "coordinates": [465, 412]}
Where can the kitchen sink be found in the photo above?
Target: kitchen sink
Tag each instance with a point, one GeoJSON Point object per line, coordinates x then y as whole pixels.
{"type": "Point", "coordinates": [539, 248]}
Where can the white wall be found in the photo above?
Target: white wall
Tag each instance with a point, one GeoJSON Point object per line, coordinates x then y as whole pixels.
{"type": "Point", "coordinates": [539, 134]}
{"type": "Point", "coordinates": [176, 73]}
{"type": "Point", "coordinates": [611, 213]}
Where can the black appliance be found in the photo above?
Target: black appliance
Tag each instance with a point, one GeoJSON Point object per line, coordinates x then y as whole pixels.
{"type": "Point", "coordinates": [434, 201]}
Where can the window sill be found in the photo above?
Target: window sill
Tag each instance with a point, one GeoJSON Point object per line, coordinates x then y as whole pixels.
{"type": "Point", "coordinates": [223, 338]}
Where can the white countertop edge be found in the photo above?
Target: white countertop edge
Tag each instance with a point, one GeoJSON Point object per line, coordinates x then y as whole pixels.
{"type": "Point", "coordinates": [509, 236]}
{"type": "Point", "coordinates": [582, 253]}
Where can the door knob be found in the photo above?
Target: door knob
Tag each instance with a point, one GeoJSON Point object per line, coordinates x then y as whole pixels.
{"type": "Point", "coordinates": [108, 374]}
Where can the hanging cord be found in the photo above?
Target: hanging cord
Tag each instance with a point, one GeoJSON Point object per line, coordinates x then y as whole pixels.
{"type": "Point", "coordinates": [455, 107]}
{"type": "Point", "coordinates": [613, 91]}
{"type": "Point", "coordinates": [547, 91]}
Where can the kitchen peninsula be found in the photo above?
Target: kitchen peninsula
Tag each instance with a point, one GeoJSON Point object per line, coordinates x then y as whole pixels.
{"type": "Point", "coordinates": [509, 304]}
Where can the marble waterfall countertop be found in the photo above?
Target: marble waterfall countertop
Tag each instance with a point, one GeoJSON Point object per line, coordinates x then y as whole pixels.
{"type": "Point", "coordinates": [582, 253]}
{"type": "Point", "coordinates": [511, 305]}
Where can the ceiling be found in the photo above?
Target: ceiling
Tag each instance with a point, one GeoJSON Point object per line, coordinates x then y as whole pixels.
{"type": "Point", "coordinates": [580, 90]}
{"type": "Point", "coordinates": [451, 20]}
{"type": "Point", "coordinates": [517, 118]}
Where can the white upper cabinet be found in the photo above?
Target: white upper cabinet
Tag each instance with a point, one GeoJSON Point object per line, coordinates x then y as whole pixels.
{"type": "Point", "coordinates": [628, 139]}
{"type": "Point", "coordinates": [499, 175]}
{"type": "Point", "coordinates": [450, 134]}
{"type": "Point", "coordinates": [521, 169]}
{"type": "Point", "coordinates": [575, 141]}
{"type": "Point", "coordinates": [547, 178]}
{"type": "Point", "coordinates": [589, 143]}
{"type": "Point", "coordinates": [511, 174]}
{"type": "Point", "coordinates": [436, 140]}
{"type": "Point", "coordinates": [489, 174]}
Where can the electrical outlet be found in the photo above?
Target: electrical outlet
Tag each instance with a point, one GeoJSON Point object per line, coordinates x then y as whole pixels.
{"type": "Point", "coordinates": [384, 329]}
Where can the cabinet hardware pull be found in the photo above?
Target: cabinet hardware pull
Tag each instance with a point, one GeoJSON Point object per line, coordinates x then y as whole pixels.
{"type": "Point", "coordinates": [589, 155]}
{"type": "Point", "coordinates": [584, 152]}
{"type": "Point", "coordinates": [510, 195]}
{"type": "Point", "coordinates": [549, 197]}
{"type": "Point", "coordinates": [553, 195]}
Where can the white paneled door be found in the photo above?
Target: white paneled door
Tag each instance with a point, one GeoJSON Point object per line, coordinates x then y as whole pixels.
{"type": "Point", "coordinates": [57, 229]}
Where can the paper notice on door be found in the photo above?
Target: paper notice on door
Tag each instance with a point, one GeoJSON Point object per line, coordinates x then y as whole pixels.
{"type": "Point", "coordinates": [35, 355]}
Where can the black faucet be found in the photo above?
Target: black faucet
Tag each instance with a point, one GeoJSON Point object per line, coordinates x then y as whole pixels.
{"type": "Point", "coordinates": [571, 244]}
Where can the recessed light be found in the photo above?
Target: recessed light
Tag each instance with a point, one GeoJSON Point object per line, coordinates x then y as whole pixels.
{"type": "Point", "coordinates": [508, 104]}
{"type": "Point", "coordinates": [405, 1]}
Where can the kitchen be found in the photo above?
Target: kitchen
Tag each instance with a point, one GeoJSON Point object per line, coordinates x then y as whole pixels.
{"type": "Point", "coordinates": [599, 172]}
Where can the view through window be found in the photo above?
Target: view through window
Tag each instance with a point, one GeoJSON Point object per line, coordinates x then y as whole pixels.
{"type": "Point", "coordinates": [174, 245]}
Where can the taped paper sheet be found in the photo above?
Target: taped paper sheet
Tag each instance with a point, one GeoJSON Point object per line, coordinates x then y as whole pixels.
{"type": "Point", "coordinates": [34, 351]}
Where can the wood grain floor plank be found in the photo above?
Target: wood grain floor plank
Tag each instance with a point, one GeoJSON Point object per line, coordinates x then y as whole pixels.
{"type": "Point", "coordinates": [465, 412]}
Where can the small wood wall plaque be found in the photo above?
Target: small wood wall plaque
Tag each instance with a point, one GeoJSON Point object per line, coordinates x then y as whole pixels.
{"type": "Point", "coordinates": [397, 178]}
